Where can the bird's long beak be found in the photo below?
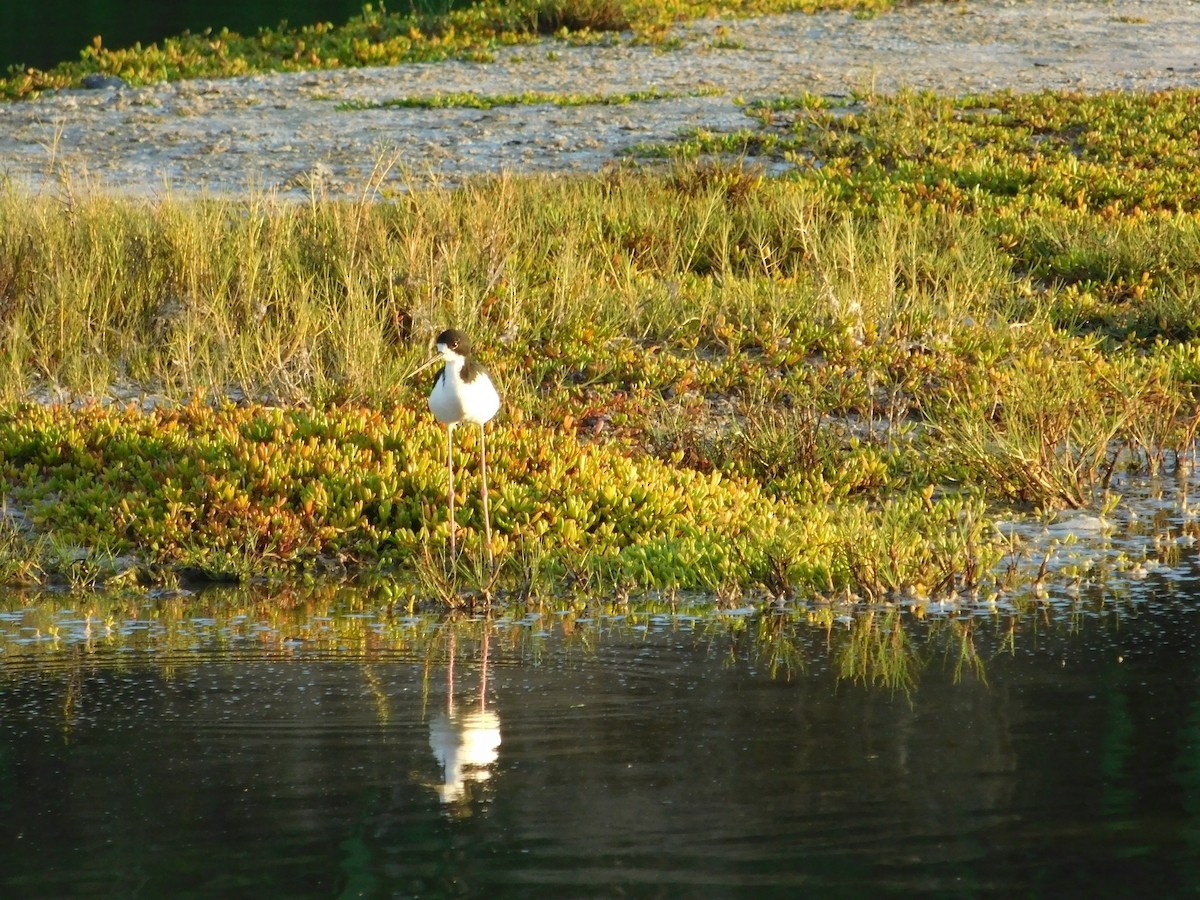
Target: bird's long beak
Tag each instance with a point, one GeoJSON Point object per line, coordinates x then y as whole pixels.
{"type": "Point", "coordinates": [425, 365]}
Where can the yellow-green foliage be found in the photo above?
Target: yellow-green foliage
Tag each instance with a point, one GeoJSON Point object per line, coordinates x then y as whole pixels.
{"type": "Point", "coordinates": [1115, 153]}
{"type": "Point", "coordinates": [234, 491]}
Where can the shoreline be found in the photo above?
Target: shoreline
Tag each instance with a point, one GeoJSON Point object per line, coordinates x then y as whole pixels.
{"type": "Point", "coordinates": [289, 134]}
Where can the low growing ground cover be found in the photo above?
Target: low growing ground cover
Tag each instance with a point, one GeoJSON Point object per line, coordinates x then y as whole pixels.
{"type": "Point", "coordinates": [377, 37]}
{"type": "Point", "coordinates": [826, 383]}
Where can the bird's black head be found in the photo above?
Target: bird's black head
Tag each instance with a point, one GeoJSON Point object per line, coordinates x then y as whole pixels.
{"type": "Point", "coordinates": [453, 339]}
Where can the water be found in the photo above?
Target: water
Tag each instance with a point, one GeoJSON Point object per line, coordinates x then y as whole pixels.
{"type": "Point", "coordinates": [642, 757]}
{"type": "Point", "coordinates": [307, 742]}
{"type": "Point", "coordinates": [46, 34]}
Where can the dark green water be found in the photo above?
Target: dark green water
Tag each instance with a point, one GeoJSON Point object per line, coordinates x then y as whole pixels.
{"type": "Point", "coordinates": [44, 34]}
{"type": "Point", "coordinates": [658, 760]}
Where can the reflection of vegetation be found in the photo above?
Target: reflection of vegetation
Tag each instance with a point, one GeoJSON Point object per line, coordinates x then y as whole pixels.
{"type": "Point", "coordinates": [879, 650]}
{"type": "Point", "coordinates": [885, 647]}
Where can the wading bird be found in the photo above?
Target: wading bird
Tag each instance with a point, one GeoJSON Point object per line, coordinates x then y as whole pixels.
{"type": "Point", "coordinates": [462, 392]}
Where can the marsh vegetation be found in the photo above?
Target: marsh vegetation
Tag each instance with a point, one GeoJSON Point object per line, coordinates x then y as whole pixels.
{"type": "Point", "coordinates": [828, 382]}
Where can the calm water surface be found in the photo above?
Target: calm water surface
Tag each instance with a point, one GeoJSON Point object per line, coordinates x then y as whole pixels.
{"type": "Point", "coordinates": [519, 759]}
{"type": "Point", "coordinates": [45, 34]}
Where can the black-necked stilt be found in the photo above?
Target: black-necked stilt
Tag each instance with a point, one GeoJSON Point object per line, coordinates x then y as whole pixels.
{"type": "Point", "coordinates": [462, 392]}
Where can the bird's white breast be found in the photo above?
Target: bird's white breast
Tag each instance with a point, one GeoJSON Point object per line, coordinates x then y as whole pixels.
{"type": "Point", "coordinates": [454, 400]}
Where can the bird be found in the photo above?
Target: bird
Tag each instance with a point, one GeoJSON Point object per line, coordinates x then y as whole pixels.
{"type": "Point", "coordinates": [463, 392]}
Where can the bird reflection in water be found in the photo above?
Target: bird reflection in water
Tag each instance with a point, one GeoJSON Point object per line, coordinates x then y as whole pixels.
{"type": "Point", "coordinates": [467, 742]}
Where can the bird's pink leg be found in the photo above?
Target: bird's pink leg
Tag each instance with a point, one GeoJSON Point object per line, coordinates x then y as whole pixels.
{"type": "Point", "coordinates": [487, 518]}
{"type": "Point", "coordinates": [450, 469]}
